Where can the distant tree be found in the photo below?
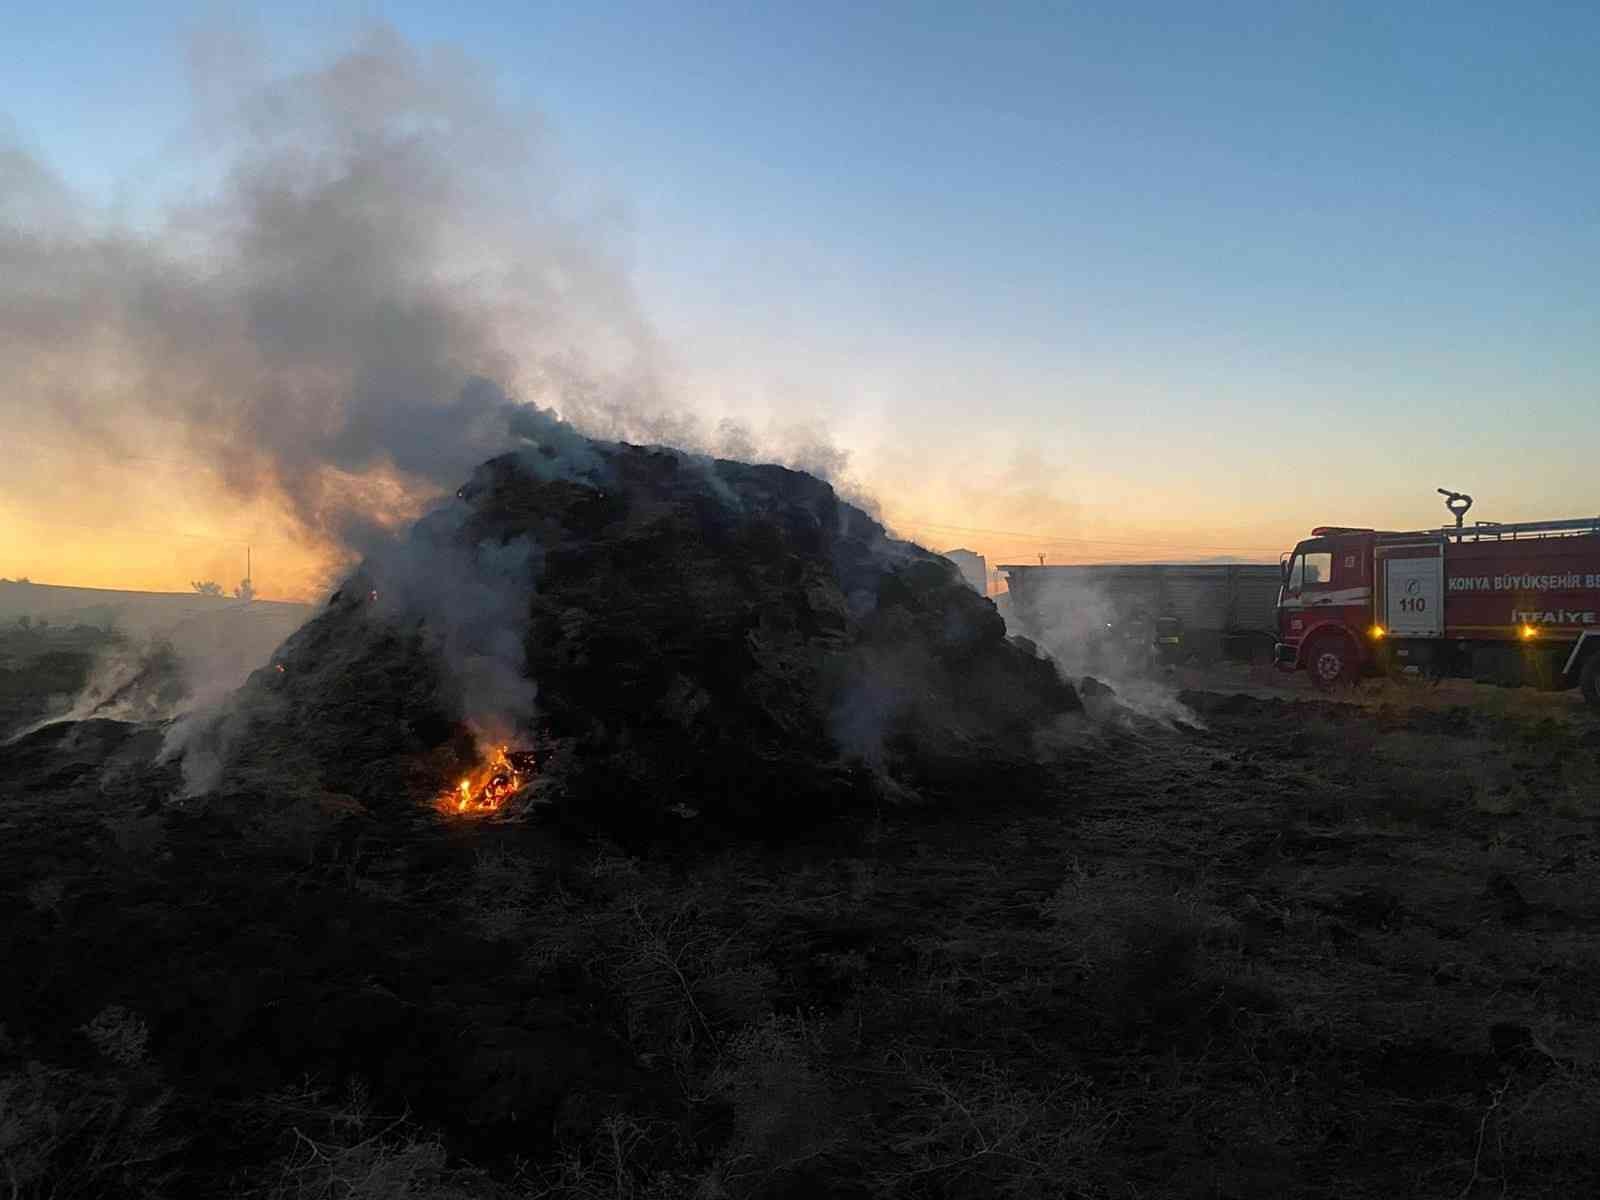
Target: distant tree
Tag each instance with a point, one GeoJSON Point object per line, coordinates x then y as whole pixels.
{"type": "Point", "coordinates": [246, 591]}
{"type": "Point", "coordinates": [23, 579]}
{"type": "Point", "coordinates": [206, 587]}
{"type": "Point", "coordinates": [24, 622]}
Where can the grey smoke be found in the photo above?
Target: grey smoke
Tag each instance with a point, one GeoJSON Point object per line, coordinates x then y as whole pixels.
{"type": "Point", "coordinates": [471, 601]}
{"type": "Point", "coordinates": [392, 281]}
{"type": "Point", "coordinates": [159, 667]}
{"type": "Point", "coordinates": [389, 285]}
{"type": "Point", "coordinates": [1069, 623]}
{"type": "Point", "coordinates": [392, 263]}
{"type": "Point", "coordinates": [467, 598]}
{"type": "Point", "coordinates": [386, 239]}
{"type": "Point", "coordinates": [733, 440]}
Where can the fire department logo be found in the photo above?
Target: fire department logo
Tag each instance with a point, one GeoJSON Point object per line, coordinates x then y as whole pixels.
{"type": "Point", "coordinates": [1413, 586]}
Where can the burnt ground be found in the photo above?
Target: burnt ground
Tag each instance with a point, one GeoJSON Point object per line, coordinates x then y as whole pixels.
{"type": "Point", "coordinates": [42, 667]}
{"type": "Point", "coordinates": [1312, 949]}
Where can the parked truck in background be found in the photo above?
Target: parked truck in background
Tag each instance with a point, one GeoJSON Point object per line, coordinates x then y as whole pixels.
{"type": "Point", "coordinates": [1171, 612]}
{"type": "Point", "coordinates": [1511, 604]}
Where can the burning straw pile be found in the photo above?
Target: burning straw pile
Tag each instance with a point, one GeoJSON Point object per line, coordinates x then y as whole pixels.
{"type": "Point", "coordinates": [640, 637]}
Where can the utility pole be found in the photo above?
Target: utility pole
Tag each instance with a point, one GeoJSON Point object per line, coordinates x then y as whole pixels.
{"type": "Point", "coordinates": [246, 590]}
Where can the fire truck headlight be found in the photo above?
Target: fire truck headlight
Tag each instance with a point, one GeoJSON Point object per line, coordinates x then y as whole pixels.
{"type": "Point", "coordinates": [1378, 631]}
{"type": "Point", "coordinates": [1529, 631]}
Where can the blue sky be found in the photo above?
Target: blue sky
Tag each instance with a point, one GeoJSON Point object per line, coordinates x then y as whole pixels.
{"type": "Point", "coordinates": [1212, 272]}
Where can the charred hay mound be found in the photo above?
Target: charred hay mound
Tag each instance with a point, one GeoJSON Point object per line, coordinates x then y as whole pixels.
{"type": "Point", "coordinates": [675, 638]}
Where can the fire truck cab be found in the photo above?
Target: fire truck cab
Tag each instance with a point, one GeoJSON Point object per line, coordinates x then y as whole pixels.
{"type": "Point", "coordinates": [1497, 603]}
{"type": "Point", "coordinates": [1325, 605]}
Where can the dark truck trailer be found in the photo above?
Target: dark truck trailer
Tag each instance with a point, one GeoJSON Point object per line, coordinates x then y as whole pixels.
{"type": "Point", "coordinates": [1215, 610]}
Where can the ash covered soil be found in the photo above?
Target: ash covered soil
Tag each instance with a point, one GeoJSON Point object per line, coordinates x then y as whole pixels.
{"type": "Point", "coordinates": [1312, 950]}
{"type": "Point", "coordinates": [1295, 948]}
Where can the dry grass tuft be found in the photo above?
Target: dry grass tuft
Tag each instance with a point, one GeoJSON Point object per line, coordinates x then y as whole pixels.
{"type": "Point", "coordinates": [346, 1152]}
{"type": "Point", "coordinates": [64, 1134]}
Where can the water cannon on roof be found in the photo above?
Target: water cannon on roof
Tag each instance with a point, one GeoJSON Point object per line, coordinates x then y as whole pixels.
{"type": "Point", "coordinates": [1457, 503]}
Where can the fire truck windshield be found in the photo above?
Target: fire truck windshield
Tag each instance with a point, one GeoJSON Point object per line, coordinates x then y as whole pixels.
{"type": "Point", "coordinates": [1310, 566]}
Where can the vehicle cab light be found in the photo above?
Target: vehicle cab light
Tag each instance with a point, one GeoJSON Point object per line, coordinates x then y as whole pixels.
{"type": "Point", "coordinates": [1377, 632]}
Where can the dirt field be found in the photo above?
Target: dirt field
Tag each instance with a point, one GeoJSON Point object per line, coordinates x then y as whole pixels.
{"type": "Point", "coordinates": [1266, 681]}
{"type": "Point", "coordinates": [1298, 949]}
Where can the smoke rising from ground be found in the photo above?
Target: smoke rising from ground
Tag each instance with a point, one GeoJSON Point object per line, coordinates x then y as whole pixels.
{"type": "Point", "coordinates": [1087, 633]}
{"type": "Point", "coordinates": [471, 601]}
{"type": "Point", "coordinates": [151, 665]}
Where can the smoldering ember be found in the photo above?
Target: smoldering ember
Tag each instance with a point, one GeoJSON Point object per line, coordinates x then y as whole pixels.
{"type": "Point", "coordinates": [646, 824]}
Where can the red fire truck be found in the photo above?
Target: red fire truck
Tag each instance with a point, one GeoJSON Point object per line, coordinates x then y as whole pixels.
{"type": "Point", "coordinates": [1514, 604]}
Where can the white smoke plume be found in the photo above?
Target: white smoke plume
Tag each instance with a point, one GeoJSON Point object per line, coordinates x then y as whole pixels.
{"type": "Point", "coordinates": [468, 599]}
{"type": "Point", "coordinates": [472, 603]}
{"type": "Point", "coordinates": [391, 263]}
{"type": "Point", "coordinates": [392, 280]}
{"type": "Point", "coordinates": [389, 270]}
{"type": "Point", "coordinates": [153, 669]}
{"type": "Point", "coordinates": [386, 237]}
{"type": "Point", "coordinates": [1090, 634]}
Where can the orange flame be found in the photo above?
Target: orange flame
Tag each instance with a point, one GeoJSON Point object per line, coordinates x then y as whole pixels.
{"type": "Point", "coordinates": [487, 788]}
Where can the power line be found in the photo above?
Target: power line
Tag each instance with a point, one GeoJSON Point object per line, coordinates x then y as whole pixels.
{"type": "Point", "coordinates": [1035, 538]}
{"type": "Point", "coordinates": [1053, 540]}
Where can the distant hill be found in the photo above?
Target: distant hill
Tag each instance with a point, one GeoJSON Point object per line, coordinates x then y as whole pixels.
{"type": "Point", "coordinates": [145, 614]}
{"type": "Point", "coordinates": [131, 655]}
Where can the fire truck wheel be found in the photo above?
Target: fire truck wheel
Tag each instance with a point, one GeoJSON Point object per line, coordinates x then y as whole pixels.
{"type": "Point", "coordinates": [1589, 681]}
{"type": "Point", "coordinates": [1329, 663]}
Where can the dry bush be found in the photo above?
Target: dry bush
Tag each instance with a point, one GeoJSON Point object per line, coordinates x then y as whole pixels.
{"type": "Point", "coordinates": [972, 1129]}
{"type": "Point", "coordinates": [64, 1134]}
{"type": "Point", "coordinates": [694, 998]}
{"type": "Point", "coordinates": [392, 1162]}
{"type": "Point", "coordinates": [682, 977]}
{"type": "Point", "coordinates": [345, 1152]}
{"type": "Point", "coordinates": [614, 1164]}
{"type": "Point", "coordinates": [503, 898]}
{"type": "Point", "coordinates": [783, 1110]}
{"type": "Point", "coordinates": [1537, 1128]}
{"type": "Point", "coordinates": [120, 1035]}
